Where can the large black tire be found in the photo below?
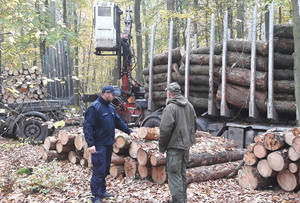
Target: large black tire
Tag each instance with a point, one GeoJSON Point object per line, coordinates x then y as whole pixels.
{"type": "Point", "coordinates": [152, 122]}
{"type": "Point", "coordinates": [32, 130]}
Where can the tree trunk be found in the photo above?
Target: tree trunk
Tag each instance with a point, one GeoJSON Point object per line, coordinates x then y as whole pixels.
{"type": "Point", "coordinates": [161, 59]}
{"type": "Point", "coordinates": [122, 141]}
{"type": "Point", "coordinates": [242, 45]}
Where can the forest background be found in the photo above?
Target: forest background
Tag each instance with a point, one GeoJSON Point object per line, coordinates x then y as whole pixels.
{"type": "Point", "coordinates": [28, 28]}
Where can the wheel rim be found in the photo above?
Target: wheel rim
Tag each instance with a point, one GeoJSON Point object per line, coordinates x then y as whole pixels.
{"type": "Point", "coordinates": [32, 130]}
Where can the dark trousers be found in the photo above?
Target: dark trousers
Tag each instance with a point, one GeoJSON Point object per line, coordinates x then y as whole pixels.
{"type": "Point", "coordinates": [101, 163]}
{"type": "Point", "coordinates": [177, 161]}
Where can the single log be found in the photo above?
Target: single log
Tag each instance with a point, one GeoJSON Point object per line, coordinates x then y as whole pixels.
{"type": "Point", "coordinates": [259, 138]}
{"type": "Point", "coordinates": [296, 144]}
{"type": "Point", "coordinates": [162, 58]}
{"type": "Point", "coordinates": [273, 141]}
{"type": "Point", "coordinates": [288, 181]}
{"type": "Point", "coordinates": [243, 60]}
{"type": "Point", "coordinates": [80, 142]}
{"type": "Point", "coordinates": [203, 59]}
{"type": "Point", "coordinates": [206, 158]}
{"type": "Point", "coordinates": [239, 97]}
{"type": "Point", "coordinates": [116, 159]}
{"type": "Point", "coordinates": [199, 70]}
{"type": "Point", "coordinates": [117, 170]}
{"type": "Point", "coordinates": [130, 167]}
{"type": "Point", "coordinates": [284, 45]}
{"type": "Point", "coordinates": [199, 102]}
{"type": "Point", "coordinates": [285, 106]}
{"type": "Point", "coordinates": [211, 172]}
{"type": "Point", "coordinates": [160, 69]}
{"type": "Point", "coordinates": [283, 61]}
{"type": "Point", "coordinates": [278, 160]}
{"type": "Point", "coordinates": [206, 50]}
{"type": "Point", "coordinates": [242, 76]}
{"type": "Point", "coordinates": [143, 157]}
{"type": "Point", "coordinates": [157, 86]}
{"type": "Point", "coordinates": [75, 156]}
{"type": "Point", "coordinates": [83, 162]}
{"type": "Point", "coordinates": [149, 133]}
{"type": "Point", "coordinates": [144, 171]}
{"type": "Point", "coordinates": [283, 30]}
{"type": "Point", "coordinates": [53, 154]}
{"type": "Point", "coordinates": [157, 159]}
{"type": "Point", "coordinates": [120, 150]}
{"type": "Point", "coordinates": [284, 86]}
{"type": "Point", "coordinates": [162, 77]}
{"type": "Point", "coordinates": [242, 45]}
{"type": "Point", "coordinates": [294, 167]}
{"type": "Point", "coordinates": [41, 151]}
{"type": "Point", "coordinates": [198, 80]}
{"type": "Point", "coordinates": [250, 159]}
{"type": "Point", "coordinates": [122, 140]}
{"type": "Point", "coordinates": [50, 143]}
{"type": "Point", "coordinates": [159, 174]}
{"type": "Point", "coordinates": [260, 151]}
{"type": "Point", "coordinates": [288, 137]}
{"type": "Point", "coordinates": [264, 169]}
{"type": "Point", "coordinates": [60, 148]}
{"type": "Point", "coordinates": [249, 178]}
{"type": "Point", "coordinates": [292, 154]}
{"type": "Point", "coordinates": [250, 147]}
{"type": "Point", "coordinates": [135, 145]}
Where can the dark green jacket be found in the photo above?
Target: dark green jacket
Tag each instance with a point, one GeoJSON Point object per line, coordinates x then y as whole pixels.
{"type": "Point", "coordinates": [178, 125]}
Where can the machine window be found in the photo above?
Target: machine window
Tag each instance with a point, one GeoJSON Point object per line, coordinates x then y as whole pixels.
{"type": "Point", "coordinates": [104, 11]}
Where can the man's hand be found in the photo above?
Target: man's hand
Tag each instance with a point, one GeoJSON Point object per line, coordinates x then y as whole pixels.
{"type": "Point", "coordinates": [134, 136]}
{"type": "Point", "coordinates": [92, 149]}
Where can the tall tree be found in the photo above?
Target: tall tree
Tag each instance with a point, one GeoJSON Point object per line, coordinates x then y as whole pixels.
{"type": "Point", "coordinates": [296, 32]}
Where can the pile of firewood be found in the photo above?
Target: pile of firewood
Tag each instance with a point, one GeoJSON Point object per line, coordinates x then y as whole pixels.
{"type": "Point", "coordinates": [273, 158]}
{"type": "Point", "coordinates": [211, 158]}
{"type": "Point", "coordinates": [237, 73]}
{"type": "Point", "coordinates": [23, 85]}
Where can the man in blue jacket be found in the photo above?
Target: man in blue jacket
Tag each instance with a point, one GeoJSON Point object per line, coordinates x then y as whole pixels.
{"type": "Point", "coordinates": [101, 120]}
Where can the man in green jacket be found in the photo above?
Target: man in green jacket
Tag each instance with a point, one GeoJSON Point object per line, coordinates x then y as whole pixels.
{"type": "Point", "coordinates": [177, 134]}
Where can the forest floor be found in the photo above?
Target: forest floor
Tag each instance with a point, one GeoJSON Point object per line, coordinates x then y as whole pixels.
{"type": "Point", "coordinates": [24, 177]}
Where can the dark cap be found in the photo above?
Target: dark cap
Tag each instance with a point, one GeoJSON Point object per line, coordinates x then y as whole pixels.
{"type": "Point", "coordinates": [110, 89]}
{"type": "Point", "coordinates": [173, 87]}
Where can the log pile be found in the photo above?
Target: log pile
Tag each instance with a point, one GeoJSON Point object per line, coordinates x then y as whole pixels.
{"type": "Point", "coordinates": [211, 158]}
{"type": "Point", "coordinates": [22, 85]}
{"type": "Point", "coordinates": [273, 158]}
{"type": "Point", "coordinates": [237, 73]}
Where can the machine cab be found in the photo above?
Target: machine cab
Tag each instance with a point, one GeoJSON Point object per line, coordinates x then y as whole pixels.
{"type": "Point", "coordinates": [106, 27]}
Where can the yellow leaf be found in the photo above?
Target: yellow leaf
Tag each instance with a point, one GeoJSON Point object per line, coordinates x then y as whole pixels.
{"type": "Point", "coordinates": [59, 124]}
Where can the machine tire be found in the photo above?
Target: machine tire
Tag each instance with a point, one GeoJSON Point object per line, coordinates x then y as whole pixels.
{"type": "Point", "coordinates": [152, 122]}
{"type": "Point", "coordinates": [32, 130]}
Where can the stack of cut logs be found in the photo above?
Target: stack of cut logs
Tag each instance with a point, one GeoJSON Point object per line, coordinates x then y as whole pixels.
{"type": "Point", "coordinates": [211, 157]}
{"type": "Point", "coordinates": [23, 85]}
{"type": "Point", "coordinates": [273, 158]}
{"type": "Point", "coordinates": [237, 73]}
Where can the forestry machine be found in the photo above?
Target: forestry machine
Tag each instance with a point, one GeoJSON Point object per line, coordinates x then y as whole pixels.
{"type": "Point", "coordinates": [109, 41]}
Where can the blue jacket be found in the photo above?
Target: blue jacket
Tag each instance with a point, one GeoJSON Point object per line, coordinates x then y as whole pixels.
{"type": "Point", "coordinates": [100, 122]}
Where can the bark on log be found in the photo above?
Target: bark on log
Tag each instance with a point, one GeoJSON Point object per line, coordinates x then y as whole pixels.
{"type": "Point", "coordinates": [157, 86]}
{"type": "Point", "coordinates": [60, 148]}
{"type": "Point", "coordinates": [198, 102]}
{"type": "Point", "coordinates": [249, 178]}
{"type": "Point", "coordinates": [211, 172]}
{"type": "Point", "coordinates": [284, 86]}
{"type": "Point", "coordinates": [117, 170]}
{"type": "Point", "coordinates": [241, 76]}
{"type": "Point", "coordinates": [284, 74]}
{"type": "Point", "coordinates": [243, 60]}
{"type": "Point", "coordinates": [149, 133]}
{"type": "Point", "coordinates": [116, 159]}
{"type": "Point", "coordinates": [206, 158]}
{"type": "Point", "coordinates": [278, 160]}
{"type": "Point", "coordinates": [122, 141]}
{"type": "Point", "coordinates": [144, 171]}
{"type": "Point", "coordinates": [130, 167]}
{"type": "Point", "coordinates": [284, 45]}
{"type": "Point", "coordinates": [203, 59]}
{"type": "Point", "coordinates": [239, 97]}
{"type": "Point", "coordinates": [283, 30]}
{"type": "Point", "coordinates": [288, 181]}
{"type": "Point", "coordinates": [160, 59]}
{"type": "Point", "coordinates": [161, 69]}
{"type": "Point", "coordinates": [241, 45]}
{"type": "Point", "coordinates": [206, 50]}
{"type": "Point", "coordinates": [198, 80]}
{"type": "Point", "coordinates": [159, 174]}
{"type": "Point", "coordinates": [283, 61]}
{"type": "Point", "coordinates": [274, 141]}
{"type": "Point", "coordinates": [53, 154]}
{"type": "Point", "coordinates": [264, 169]}
{"type": "Point", "coordinates": [162, 77]}
{"type": "Point", "coordinates": [199, 70]}
{"type": "Point", "coordinates": [285, 107]}
{"type": "Point", "coordinates": [157, 159]}
{"type": "Point", "coordinates": [65, 137]}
